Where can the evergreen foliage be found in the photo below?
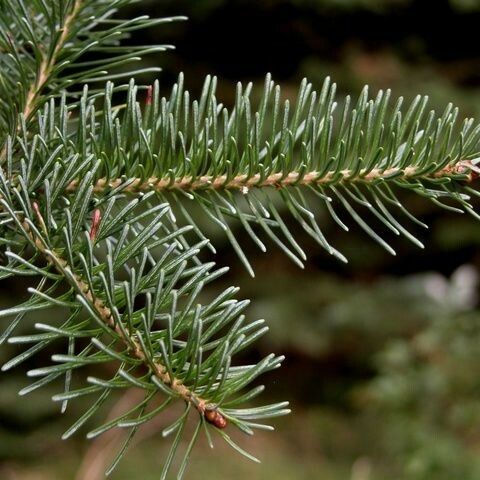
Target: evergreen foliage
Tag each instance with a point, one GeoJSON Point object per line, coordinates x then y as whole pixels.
{"type": "Point", "coordinates": [101, 184]}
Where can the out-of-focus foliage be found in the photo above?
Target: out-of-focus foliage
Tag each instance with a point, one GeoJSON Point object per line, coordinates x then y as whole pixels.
{"type": "Point", "coordinates": [418, 340]}
{"type": "Point", "coordinates": [466, 5]}
{"type": "Point", "coordinates": [206, 6]}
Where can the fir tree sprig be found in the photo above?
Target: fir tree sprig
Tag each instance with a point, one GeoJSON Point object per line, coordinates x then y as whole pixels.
{"type": "Point", "coordinates": [239, 163]}
{"type": "Point", "coordinates": [96, 185]}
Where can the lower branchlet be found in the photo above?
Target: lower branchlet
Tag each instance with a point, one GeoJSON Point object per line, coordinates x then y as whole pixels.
{"type": "Point", "coordinates": [208, 410]}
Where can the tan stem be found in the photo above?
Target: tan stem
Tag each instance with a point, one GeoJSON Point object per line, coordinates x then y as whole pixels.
{"type": "Point", "coordinates": [277, 180]}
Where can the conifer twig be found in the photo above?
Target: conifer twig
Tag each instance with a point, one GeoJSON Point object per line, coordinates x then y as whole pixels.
{"type": "Point", "coordinates": [134, 347]}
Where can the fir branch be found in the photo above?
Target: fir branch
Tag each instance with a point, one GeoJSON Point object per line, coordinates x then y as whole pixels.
{"type": "Point", "coordinates": [202, 152]}
{"type": "Point", "coordinates": [134, 347]}
{"type": "Point", "coordinates": [48, 61]}
{"type": "Point", "coordinates": [129, 275]}
{"type": "Point", "coordinates": [197, 371]}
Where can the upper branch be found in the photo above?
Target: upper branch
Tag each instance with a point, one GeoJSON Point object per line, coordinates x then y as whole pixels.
{"type": "Point", "coordinates": [44, 51]}
{"type": "Point", "coordinates": [347, 159]}
{"type": "Point", "coordinates": [48, 62]}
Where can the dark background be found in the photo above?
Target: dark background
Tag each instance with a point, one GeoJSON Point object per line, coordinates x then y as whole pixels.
{"type": "Point", "coordinates": [383, 355]}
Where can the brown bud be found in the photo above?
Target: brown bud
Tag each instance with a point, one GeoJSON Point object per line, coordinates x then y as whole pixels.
{"type": "Point", "coordinates": [216, 418]}
{"type": "Point", "coordinates": [220, 421]}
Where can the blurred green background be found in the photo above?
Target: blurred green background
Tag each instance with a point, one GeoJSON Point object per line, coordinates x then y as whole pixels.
{"type": "Point", "coordinates": [383, 355]}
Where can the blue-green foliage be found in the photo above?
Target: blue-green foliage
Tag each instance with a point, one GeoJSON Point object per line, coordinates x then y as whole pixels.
{"type": "Point", "coordinates": [98, 190]}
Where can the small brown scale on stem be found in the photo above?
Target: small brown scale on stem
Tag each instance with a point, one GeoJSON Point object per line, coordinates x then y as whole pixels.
{"type": "Point", "coordinates": [96, 218]}
{"type": "Point", "coordinates": [148, 100]}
